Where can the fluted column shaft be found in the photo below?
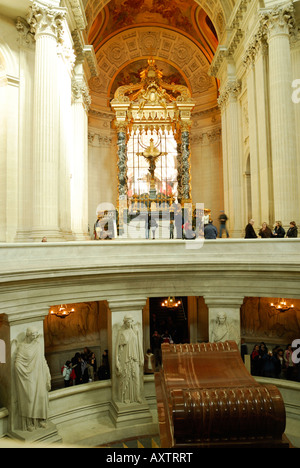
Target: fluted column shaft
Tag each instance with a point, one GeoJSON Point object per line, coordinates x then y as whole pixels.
{"type": "Point", "coordinates": [79, 183]}
{"type": "Point", "coordinates": [46, 23]}
{"type": "Point", "coordinates": [232, 157]}
{"type": "Point", "coordinates": [283, 140]}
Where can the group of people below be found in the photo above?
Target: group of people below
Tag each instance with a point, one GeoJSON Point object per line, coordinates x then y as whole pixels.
{"type": "Point", "coordinates": [278, 232]}
{"type": "Point", "coordinates": [83, 368]}
{"type": "Point", "coordinates": [276, 363]}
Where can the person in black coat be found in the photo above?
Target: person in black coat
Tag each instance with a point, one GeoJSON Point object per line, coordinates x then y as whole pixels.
{"type": "Point", "coordinates": [293, 230]}
{"type": "Point", "coordinates": [249, 230]}
{"type": "Point", "coordinates": [278, 232]}
{"type": "Point", "coordinates": [210, 231]}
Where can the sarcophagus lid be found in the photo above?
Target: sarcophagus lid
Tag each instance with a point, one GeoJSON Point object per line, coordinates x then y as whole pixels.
{"type": "Point", "coordinates": [206, 397]}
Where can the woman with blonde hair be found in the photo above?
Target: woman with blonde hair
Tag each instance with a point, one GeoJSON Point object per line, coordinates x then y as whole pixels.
{"type": "Point", "coordinates": [265, 231]}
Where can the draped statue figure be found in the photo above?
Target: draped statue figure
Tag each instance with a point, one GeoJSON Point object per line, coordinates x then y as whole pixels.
{"type": "Point", "coordinates": [33, 382]}
{"type": "Point", "coordinates": [223, 329]}
{"type": "Point", "coordinates": [129, 361]}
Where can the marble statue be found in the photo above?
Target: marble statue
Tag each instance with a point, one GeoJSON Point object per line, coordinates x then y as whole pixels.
{"type": "Point", "coordinates": [33, 382]}
{"type": "Point", "coordinates": [223, 329]}
{"type": "Point", "coordinates": [129, 361]}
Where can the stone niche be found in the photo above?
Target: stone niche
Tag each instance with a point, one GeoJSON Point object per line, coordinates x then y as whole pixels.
{"type": "Point", "coordinates": [86, 327]}
{"type": "Point", "coordinates": [262, 322]}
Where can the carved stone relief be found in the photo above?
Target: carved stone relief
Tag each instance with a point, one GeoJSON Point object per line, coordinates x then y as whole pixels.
{"type": "Point", "coordinates": [224, 327]}
{"type": "Point", "coordinates": [260, 321]}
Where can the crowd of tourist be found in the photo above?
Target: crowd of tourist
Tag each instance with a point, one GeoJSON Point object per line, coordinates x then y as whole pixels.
{"type": "Point", "coordinates": [277, 363]}
{"type": "Point", "coordinates": [194, 227]}
{"type": "Point", "coordinates": [83, 368]}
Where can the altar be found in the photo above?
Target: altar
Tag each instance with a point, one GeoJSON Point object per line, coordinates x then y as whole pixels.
{"type": "Point", "coordinates": [152, 120]}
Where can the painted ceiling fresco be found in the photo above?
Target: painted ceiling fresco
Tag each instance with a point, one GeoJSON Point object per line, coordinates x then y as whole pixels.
{"type": "Point", "coordinates": [120, 14]}
{"type": "Point", "coordinates": [190, 49]}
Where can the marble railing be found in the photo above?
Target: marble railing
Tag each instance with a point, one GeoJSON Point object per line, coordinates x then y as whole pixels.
{"type": "Point", "coordinates": [86, 403]}
{"type": "Point", "coordinates": [32, 276]}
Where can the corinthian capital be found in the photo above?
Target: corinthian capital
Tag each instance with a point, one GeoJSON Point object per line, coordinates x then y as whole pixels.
{"type": "Point", "coordinates": [44, 19]}
{"type": "Point", "coordinates": [81, 94]}
{"type": "Point", "coordinates": [230, 92]}
{"type": "Point", "coordinates": [278, 20]}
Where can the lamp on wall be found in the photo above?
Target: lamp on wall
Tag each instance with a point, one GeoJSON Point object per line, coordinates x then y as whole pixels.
{"type": "Point", "coordinates": [62, 311]}
{"type": "Point", "coordinates": [282, 305]}
{"type": "Point", "coordinates": [170, 303]}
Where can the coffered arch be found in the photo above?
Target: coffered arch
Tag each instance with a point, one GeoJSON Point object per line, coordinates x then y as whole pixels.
{"type": "Point", "coordinates": [163, 44]}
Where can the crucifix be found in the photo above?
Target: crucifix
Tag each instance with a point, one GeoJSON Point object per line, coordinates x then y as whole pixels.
{"type": "Point", "coordinates": [151, 154]}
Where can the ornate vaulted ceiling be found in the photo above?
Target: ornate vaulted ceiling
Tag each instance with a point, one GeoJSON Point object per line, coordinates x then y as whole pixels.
{"type": "Point", "coordinates": [182, 36]}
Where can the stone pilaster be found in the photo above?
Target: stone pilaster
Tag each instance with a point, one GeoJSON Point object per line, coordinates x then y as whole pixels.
{"type": "Point", "coordinates": [279, 22]}
{"type": "Point", "coordinates": [46, 23]}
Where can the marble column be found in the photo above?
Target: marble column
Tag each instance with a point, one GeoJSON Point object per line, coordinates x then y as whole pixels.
{"type": "Point", "coordinates": [263, 133]}
{"type": "Point", "coordinates": [229, 104]}
{"type": "Point", "coordinates": [124, 413]}
{"type": "Point", "coordinates": [295, 50]}
{"type": "Point", "coordinates": [79, 165]}
{"type": "Point", "coordinates": [279, 22]}
{"type": "Point", "coordinates": [46, 22]}
{"type": "Point", "coordinates": [185, 164]}
{"type": "Point", "coordinates": [254, 147]}
{"type": "Point", "coordinates": [256, 59]}
{"type": "Point", "coordinates": [66, 63]}
{"type": "Point", "coordinates": [224, 318]}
